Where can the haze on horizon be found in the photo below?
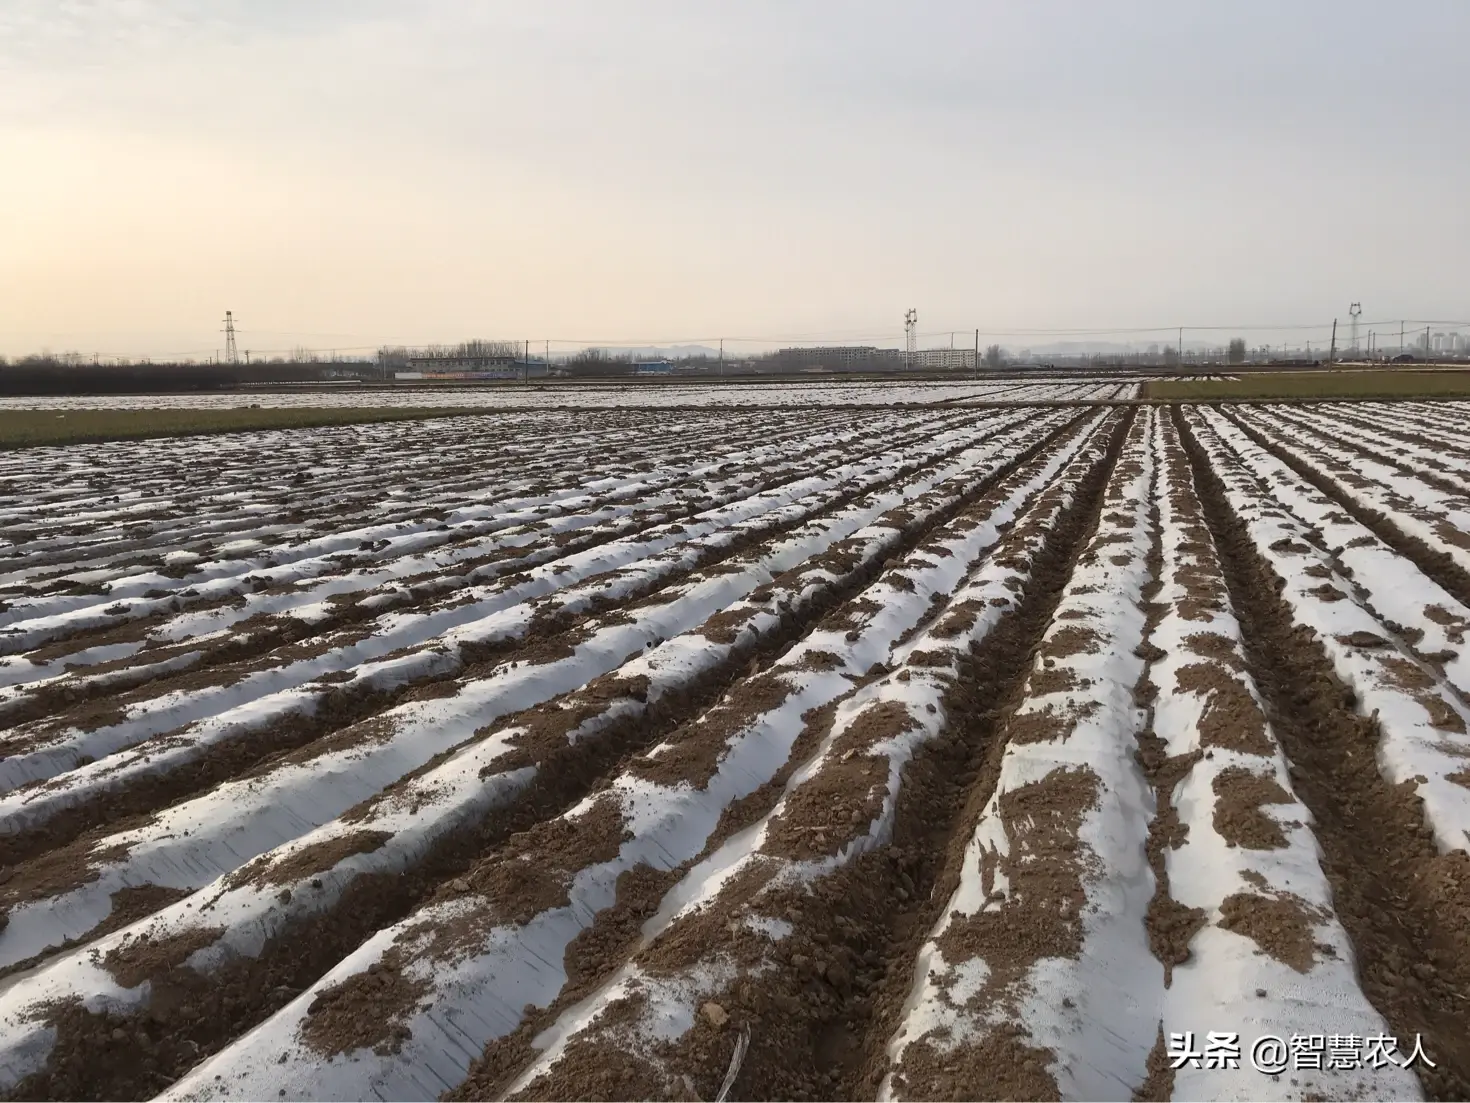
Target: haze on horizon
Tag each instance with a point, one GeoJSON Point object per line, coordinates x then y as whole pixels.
{"type": "Point", "coordinates": [347, 173]}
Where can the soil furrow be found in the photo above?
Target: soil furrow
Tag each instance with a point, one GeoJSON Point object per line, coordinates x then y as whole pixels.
{"type": "Point", "coordinates": [810, 1006]}
{"type": "Point", "coordinates": [354, 918]}
{"type": "Point", "coordinates": [1405, 906]}
{"type": "Point", "coordinates": [218, 582]}
{"type": "Point", "coordinates": [1246, 930]}
{"type": "Point", "coordinates": [168, 769]}
{"type": "Point", "coordinates": [1046, 923]}
{"type": "Point", "coordinates": [1434, 562]}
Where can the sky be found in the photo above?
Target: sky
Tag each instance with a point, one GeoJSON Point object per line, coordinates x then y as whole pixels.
{"type": "Point", "coordinates": [347, 173]}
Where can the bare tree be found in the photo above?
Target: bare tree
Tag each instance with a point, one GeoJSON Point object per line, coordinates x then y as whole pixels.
{"type": "Point", "coordinates": [481, 347]}
{"type": "Point", "coordinates": [993, 357]}
{"type": "Point", "coordinates": [1237, 350]}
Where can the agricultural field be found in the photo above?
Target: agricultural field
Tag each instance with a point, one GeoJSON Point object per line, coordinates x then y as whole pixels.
{"type": "Point", "coordinates": [700, 752]}
{"type": "Point", "coordinates": [1035, 387]}
{"type": "Point", "coordinates": [24, 428]}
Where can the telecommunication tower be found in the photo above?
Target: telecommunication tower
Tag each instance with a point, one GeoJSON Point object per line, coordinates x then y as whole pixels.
{"type": "Point", "coordinates": [910, 336]}
{"type": "Point", "coordinates": [231, 355]}
{"type": "Point", "coordinates": [1353, 312]}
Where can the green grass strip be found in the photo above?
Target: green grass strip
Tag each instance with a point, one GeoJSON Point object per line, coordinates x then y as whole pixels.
{"type": "Point", "coordinates": [1340, 383]}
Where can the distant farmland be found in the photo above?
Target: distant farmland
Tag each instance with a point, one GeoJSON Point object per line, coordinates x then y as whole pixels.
{"type": "Point", "coordinates": [788, 744]}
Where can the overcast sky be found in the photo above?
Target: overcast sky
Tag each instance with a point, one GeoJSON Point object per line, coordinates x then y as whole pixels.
{"type": "Point", "coordinates": [349, 172]}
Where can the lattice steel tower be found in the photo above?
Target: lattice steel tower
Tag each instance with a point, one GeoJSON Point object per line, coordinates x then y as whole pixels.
{"type": "Point", "coordinates": [231, 355]}
{"type": "Point", "coordinates": [1353, 312]}
{"type": "Point", "coordinates": [910, 336]}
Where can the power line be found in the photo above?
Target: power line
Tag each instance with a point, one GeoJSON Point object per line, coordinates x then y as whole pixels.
{"type": "Point", "coordinates": [1140, 333]}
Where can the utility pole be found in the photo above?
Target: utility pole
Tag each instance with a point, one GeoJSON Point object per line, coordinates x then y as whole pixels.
{"type": "Point", "coordinates": [548, 358]}
{"type": "Point", "coordinates": [526, 363]}
{"type": "Point", "coordinates": [722, 358]}
{"type": "Point", "coordinates": [977, 354]}
{"type": "Point", "coordinates": [1181, 346]}
{"type": "Point", "coordinates": [1332, 352]}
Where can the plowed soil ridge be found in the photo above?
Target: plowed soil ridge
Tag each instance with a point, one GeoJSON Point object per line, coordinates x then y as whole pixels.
{"type": "Point", "coordinates": [946, 751]}
{"type": "Point", "coordinates": [1435, 562]}
{"type": "Point", "coordinates": [435, 869]}
{"type": "Point", "coordinates": [1405, 906]}
{"type": "Point", "coordinates": [134, 782]}
{"type": "Point", "coordinates": [843, 936]}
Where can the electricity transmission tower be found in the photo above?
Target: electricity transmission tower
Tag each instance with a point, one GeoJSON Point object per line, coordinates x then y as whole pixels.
{"type": "Point", "coordinates": [910, 336]}
{"type": "Point", "coordinates": [1354, 311]}
{"type": "Point", "coordinates": [231, 355]}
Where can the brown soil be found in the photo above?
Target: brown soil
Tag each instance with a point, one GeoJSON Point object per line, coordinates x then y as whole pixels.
{"type": "Point", "coordinates": [815, 1011]}
{"type": "Point", "coordinates": [1044, 725]}
{"type": "Point", "coordinates": [307, 861]}
{"type": "Point", "coordinates": [1281, 926]}
{"type": "Point", "coordinates": [840, 801]}
{"type": "Point", "coordinates": [238, 997]}
{"type": "Point", "coordinates": [132, 904]}
{"type": "Point", "coordinates": [617, 931]}
{"type": "Point", "coordinates": [138, 1059]}
{"type": "Point", "coordinates": [1171, 925]}
{"type": "Point", "coordinates": [1436, 563]}
{"type": "Point", "coordinates": [694, 752]}
{"type": "Point", "coordinates": [1239, 819]}
{"type": "Point", "coordinates": [593, 1072]}
{"type": "Point", "coordinates": [957, 619]}
{"type": "Point", "coordinates": [295, 738]}
{"type": "Point", "coordinates": [533, 872]}
{"type": "Point", "coordinates": [1053, 679]}
{"type": "Point", "coordinates": [359, 1013]}
{"type": "Point", "coordinates": [1041, 917]}
{"type": "Point", "coordinates": [1001, 1066]}
{"type": "Point", "coordinates": [1072, 640]}
{"type": "Point", "coordinates": [1453, 623]}
{"type": "Point", "coordinates": [58, 872]}
{"type": "Point", "coordinates": [1231, 719]}
{"type": "Point", "coordinates": [1419, 684]}
{"type": "Point", "coordinates": [1405, 906]}
{"type": "Point", "coordinates": [144, 956]}
{"type": "Point", "coordinates": [1221, 649]}
{"type": "Point", "coordinates": [1158, 1085]}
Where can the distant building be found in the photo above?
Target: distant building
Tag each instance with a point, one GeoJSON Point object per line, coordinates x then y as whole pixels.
{"type": "Point", "coordinates": [835, 356]}
{"type": "Point", "coordinates": [453, 363]}
{"type": "Point", "coordinates": [943, 359]}
{"type": "Point", "coordinates": [452, 367]}
{"type": "Point", "coordinates": [653, 367]}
